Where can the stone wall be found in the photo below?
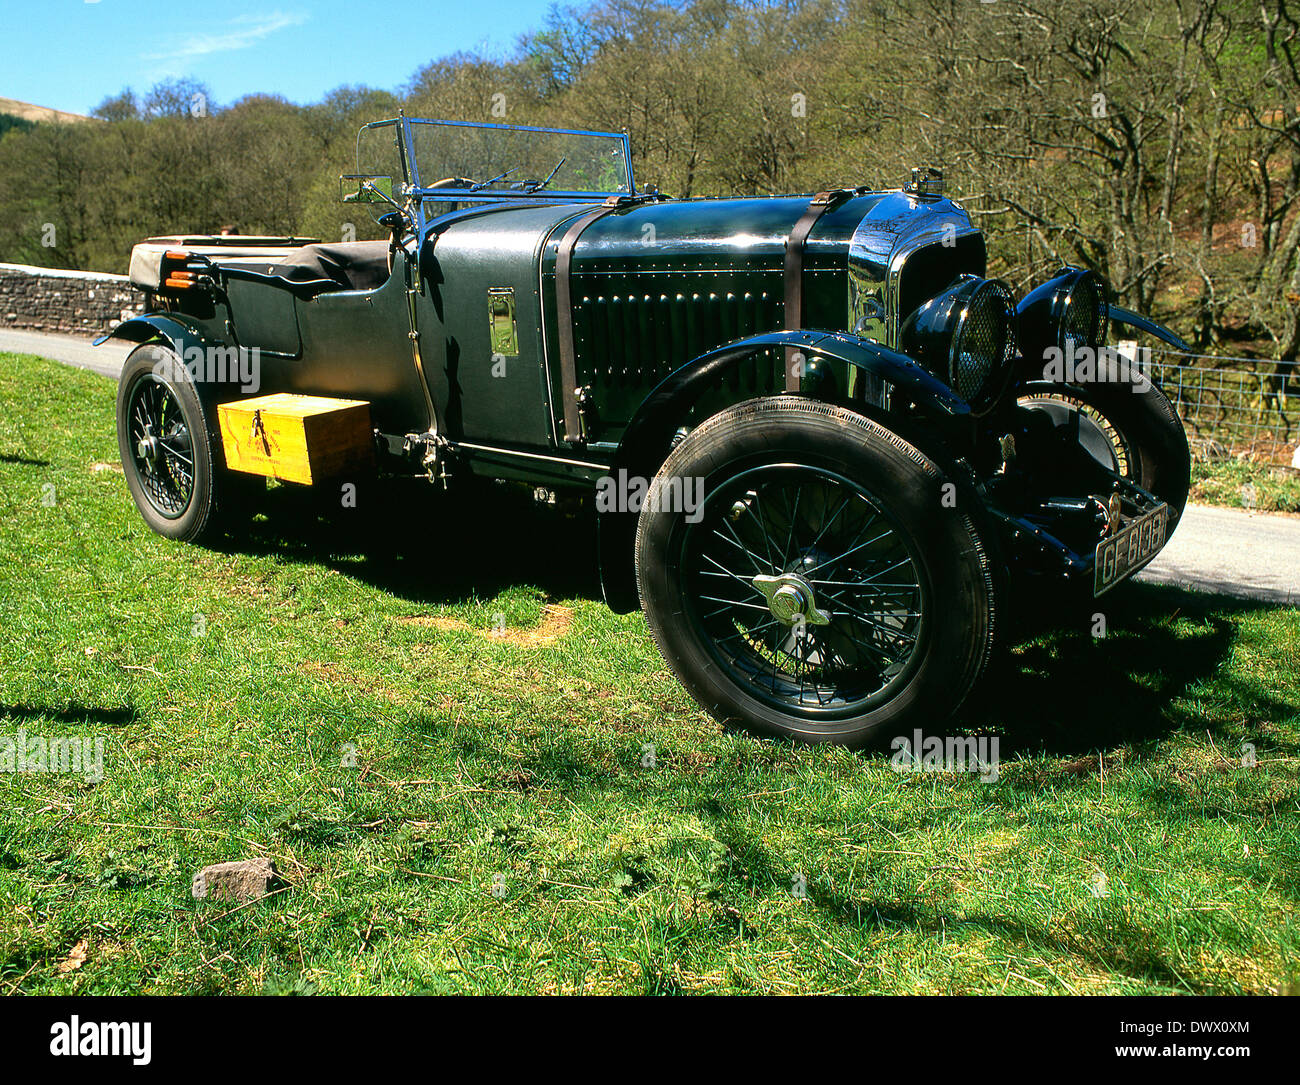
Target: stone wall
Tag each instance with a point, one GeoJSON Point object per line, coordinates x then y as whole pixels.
{"type": "Point", "coordinates": [52, 300]}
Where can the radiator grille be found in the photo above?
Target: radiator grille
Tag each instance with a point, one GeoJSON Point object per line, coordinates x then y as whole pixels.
{"type": "Point", "coordinates": [932, 268]}
{"type": "Point", "coordinates": [633, 338]}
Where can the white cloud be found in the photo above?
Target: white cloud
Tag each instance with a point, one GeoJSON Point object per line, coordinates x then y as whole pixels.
{"type": "Point", "coordinates": [238, 33]}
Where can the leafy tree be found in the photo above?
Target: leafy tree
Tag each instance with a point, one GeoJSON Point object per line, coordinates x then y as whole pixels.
{"type": "Point", "coordinates": [1157, 143]}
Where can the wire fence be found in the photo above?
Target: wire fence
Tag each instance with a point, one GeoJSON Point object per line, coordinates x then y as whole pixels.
{"type": "Point", "coordinates": [1245, 404]}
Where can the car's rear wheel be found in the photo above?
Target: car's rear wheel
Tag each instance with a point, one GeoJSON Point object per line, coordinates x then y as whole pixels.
{"type": "Point", "coordinates": [825, 587]}
{"type": "Point", "coordinates": [170, 445]}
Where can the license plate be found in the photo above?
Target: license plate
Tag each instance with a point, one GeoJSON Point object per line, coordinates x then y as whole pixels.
{"type": "Point", "coordinates": [1129, 549]}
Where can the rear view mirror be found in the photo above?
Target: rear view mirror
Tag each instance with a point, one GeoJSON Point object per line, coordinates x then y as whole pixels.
{"type": "Point", "coordinates": [366, 188]}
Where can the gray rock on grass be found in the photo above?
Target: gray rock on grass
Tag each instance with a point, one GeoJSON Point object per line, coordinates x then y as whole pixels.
{"type": "Point", "coordinates": [245, 879]}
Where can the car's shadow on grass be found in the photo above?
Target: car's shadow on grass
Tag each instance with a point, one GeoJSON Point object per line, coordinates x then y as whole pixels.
{"type": "Point", "coordinates": [418, 543]}
{"type": "Point", "coordinates": [1070, 684]}
{"type": "Point", "coordinates": [75, 712]}
{"type": "Point", "coordinates": [1060, 688]}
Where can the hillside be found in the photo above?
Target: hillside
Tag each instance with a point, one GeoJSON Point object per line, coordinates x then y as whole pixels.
{"type": "Point", "coordinates": [39, 113]}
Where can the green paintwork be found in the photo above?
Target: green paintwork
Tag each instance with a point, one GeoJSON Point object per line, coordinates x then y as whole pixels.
{"type": "Point", "coordinates": [678, 313]}
{"type": "Point", "coordinates": [479, 399]}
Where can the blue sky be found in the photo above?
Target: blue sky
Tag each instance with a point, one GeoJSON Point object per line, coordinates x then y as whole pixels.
{"type": "Point", "coordinates": [72, 54]}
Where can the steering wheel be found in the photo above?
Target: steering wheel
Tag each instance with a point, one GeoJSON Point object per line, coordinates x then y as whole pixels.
{"type": "Point", "coordinates": [398, 225]}
{"type": "Point", "coordinates": [393, 245]}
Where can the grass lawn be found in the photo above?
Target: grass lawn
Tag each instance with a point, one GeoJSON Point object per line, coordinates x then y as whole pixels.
{"type": "Point", "coordinates": [1240, 484]}
{"type": "Point", "coordinates": [457, 811]}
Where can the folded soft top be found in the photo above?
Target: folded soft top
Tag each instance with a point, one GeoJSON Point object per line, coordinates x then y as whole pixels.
{"type": "Point", "coordinates": [350, 265]}
{"type": "Point", "coordinates": [255, 252]}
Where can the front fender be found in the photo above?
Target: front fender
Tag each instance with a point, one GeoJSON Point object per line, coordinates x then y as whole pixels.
{"type": "Point", "coordinates": [1141, 323]}
{"type": "Point", "coordinates": [649, 436]}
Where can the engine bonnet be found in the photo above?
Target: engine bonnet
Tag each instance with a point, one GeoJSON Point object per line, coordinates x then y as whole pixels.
{"type": "Point", "coordinates": [870, 236]}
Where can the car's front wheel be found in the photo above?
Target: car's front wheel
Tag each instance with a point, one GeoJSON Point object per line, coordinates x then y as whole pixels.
{"type": "Point", "coordinates": [806, 572]}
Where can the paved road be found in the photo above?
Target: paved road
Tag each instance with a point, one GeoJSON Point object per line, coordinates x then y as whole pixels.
{"type": "Point", "coordinates": [72, 349]}
{"type": "Point", "coordinates": [1226, 551]}
{"type": "Point", "coordinates": [1252, 555]}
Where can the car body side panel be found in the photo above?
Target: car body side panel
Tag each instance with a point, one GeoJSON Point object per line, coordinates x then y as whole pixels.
{"type": "Point", "coordinates": [656, 285]}
{"type": "Point", "coordinates": [264, 316]}
{"type": "Point", "coordinates": [355, 346]}
{"type": "Point", "coordinates": [350, 344]}
{"type": "Point", "coordinates": [483, 395]}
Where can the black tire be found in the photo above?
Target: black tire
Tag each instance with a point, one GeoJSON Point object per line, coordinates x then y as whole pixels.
{"type": "Point", "coordinates": [181, 500]}
{"type": "Point", "coordinates": [1131, 428]}
{"type": "Point", "coordinates": [893, 655]}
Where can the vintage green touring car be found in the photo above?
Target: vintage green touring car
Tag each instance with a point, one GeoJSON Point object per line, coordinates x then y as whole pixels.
{"type": "Point", "coordinates": [821, 443]}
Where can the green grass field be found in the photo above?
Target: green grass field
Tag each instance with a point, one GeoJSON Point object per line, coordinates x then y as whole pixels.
{"type": "Point", "coordinates": [1240, 484]}
{"type": "Point", "coordinates": [456, 811]}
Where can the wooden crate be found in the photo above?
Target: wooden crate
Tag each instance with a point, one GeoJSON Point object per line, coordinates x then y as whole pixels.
{"type": "Point", "coordinates": [297, 438]}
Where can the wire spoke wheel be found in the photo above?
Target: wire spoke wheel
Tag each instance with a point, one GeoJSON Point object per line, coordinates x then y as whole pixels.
{"type": "Point", "coordinates": [804, 589]}
{"type": "Point", "coordinates": [166, 435]}
{"type": "Point", "coordinates": [1128, 428]}
{"type": "Point", "coordinates": [821, 589]}
{"type": "Point", "coordinates": [1093, 431]}
{"type": "Point", "coordinates": [161, 446]}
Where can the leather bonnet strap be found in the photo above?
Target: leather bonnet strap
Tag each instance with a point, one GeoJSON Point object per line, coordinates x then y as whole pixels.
{"type": "Point", "coordinates": [794, 253]}
{"type": "Point", "coordinates": [564, 311]}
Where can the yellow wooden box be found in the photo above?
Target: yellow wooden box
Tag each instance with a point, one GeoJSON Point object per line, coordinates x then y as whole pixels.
{"type": "Point", "coordinates": [297, 438]}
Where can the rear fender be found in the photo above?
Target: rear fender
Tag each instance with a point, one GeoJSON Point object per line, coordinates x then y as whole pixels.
{"type": "Point", "coordinates": [649, 436]}
{"type": "Point", "coordinates": [219, 371]}
{"type": "Point", "coordinates": [157, 327]}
